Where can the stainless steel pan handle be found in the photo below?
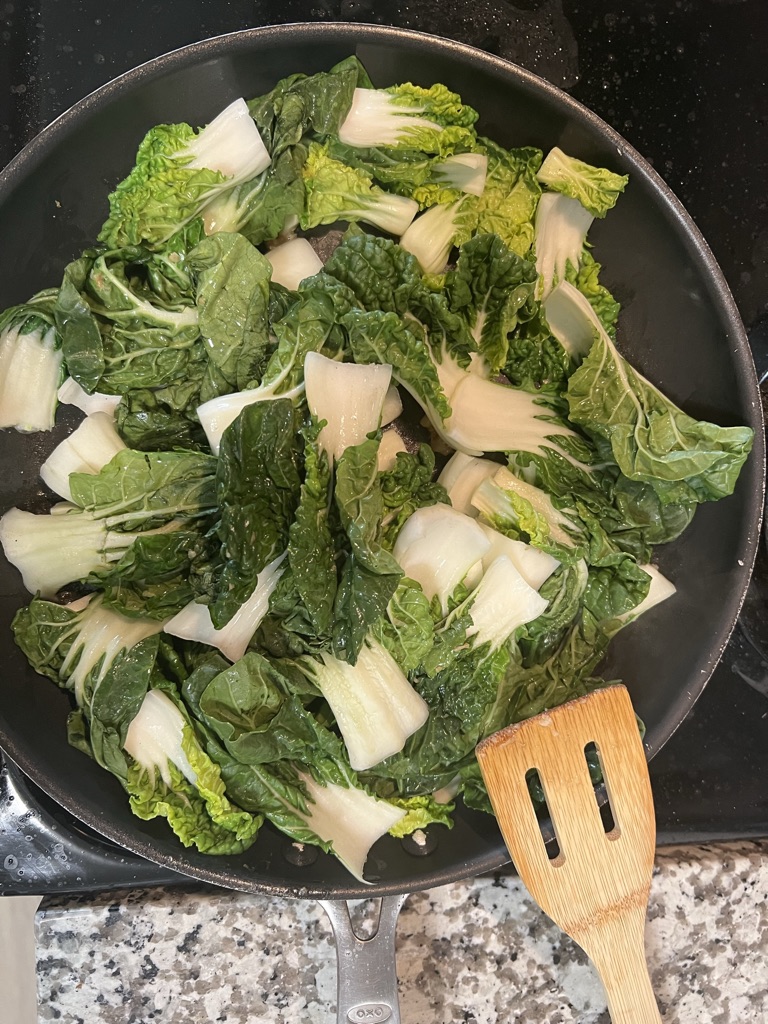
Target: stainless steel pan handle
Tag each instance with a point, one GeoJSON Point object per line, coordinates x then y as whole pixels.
{"type": "Point", "coordinates": [366, 968]}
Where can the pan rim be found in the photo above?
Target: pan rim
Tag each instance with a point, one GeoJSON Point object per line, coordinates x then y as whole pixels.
{"type": "Point", "coordinates": [27, 160]}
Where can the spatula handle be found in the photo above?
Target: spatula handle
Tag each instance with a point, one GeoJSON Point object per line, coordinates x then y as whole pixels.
{"type": "Point", "coordinates": [617, 950]}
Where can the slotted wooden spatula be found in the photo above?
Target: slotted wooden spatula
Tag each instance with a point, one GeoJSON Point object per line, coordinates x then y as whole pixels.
{"type": "Point", "coordinates": [596, 888]}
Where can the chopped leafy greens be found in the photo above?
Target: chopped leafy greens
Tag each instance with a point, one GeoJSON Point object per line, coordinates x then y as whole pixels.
{"type": "Point", "coordinates": [274, 591]}
{"type": "Point", "coordinates": [596, 188]}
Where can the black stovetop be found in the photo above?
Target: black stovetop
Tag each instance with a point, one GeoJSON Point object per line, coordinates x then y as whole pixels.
{"type": "Point", "coordinates": [685, 82]}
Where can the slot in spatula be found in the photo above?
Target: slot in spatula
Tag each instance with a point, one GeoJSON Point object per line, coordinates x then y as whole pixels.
{"type": "Point", "coordinates": [596, 885]}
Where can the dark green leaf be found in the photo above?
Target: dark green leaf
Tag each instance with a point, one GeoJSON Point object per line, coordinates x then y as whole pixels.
{"type": "Point", "coordinates": [300, 102]}
{"type": "Point", "coordinates": [379, 273]}
{"type": "Point", "coordinates": [652, 440]}
{"type": "Point", "coordinates": [614, 590]}
{"type": "Point", "coordinates": [564, 590]}
{"type": "Point", "coordinates": [407, 486]}
{"type": "Point", "coordinates": [407, 630]}
{"type": "Point", "coordinates": [360, 502]}
{"type": "Point", "coordinates": [378, 337]}
{"type": "Point", "coordinates": [80, 335]}
{"type": "Point", "coordinates": [258, 487]}
{"type": "Point", "coordinates": [137, 490]}
{"type": "Point", "coordinates": [489, 286]}
{"type": "Point", "coordinates": [232, 300]}
{"type": "Point", "coordinates": [162, 419]}
{"type": "Point", "coordinates": [153, 578]}
{"type": "Point", "coordinates": [311, 551]}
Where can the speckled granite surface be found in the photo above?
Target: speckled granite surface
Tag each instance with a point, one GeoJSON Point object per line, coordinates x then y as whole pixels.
{"type": "Point", "coordinates": [476, 952]}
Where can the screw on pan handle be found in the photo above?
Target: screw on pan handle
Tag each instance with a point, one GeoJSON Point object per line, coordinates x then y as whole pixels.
{"type": "Point", "coordinates": [367, 973]}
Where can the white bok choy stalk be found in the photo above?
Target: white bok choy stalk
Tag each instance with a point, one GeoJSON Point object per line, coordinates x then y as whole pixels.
{"type": "Point", "coordinates": [348, 396]}
{"type": "Point", "coordinates": [534, 566]}
{"type": "Point", "coordinates": [292, 262]}
{"type": "Point", "coordinates": [154, 738]}
{"type": "Point", "coordinates": [64, 546]}
{"type": "Point", "coordinates": [87, 450]}
{"type": "Point", "coordinates": [375, 707]}
{"type": "Point", "coordinates": [96, 636]}
{"type": "Point", "coordinates": [287, 231]}
{"type": "Point", "coordinates": [501, 602]}
{"type": "Point", "coordinates": [560, 230]}
{"type": "Point", "coordinates": [230, 144]}
{"type": "Point", "coordinates": [431, 236]}
{"type": "Point", "coordinates": [390, 447]}
{"type": "Point", "coordinates": [30, 374]}
{"type": "Point", "coordinates": [193, 622]}
{"type": "Point", "coordinates": [447, 794]}
{"type": "Point", "coordinates": [486, 416]}
{"type": "Point", "coordinates": [461, 476]}
{"type": "Point", "coordinates": [572, 320]}
{"type": "Point", "coordinates": [437, 547]}
{"type": "Point", "coordinates": [490, 417]}
{"type": "Point", "coordinates": [377, 118]}
{"type": "Point", "coordinates": [508, 503]}
{"type": "Point", "coordinates": [466, 172]}
{"type": "Point", "coordinates": [348, 818]}
{"type": "Point", "coordinates": [660, 589]}
{"type": "Point", "coordinates": [393, 406]}
{"type": "Point", "coordinates": [70, 393]}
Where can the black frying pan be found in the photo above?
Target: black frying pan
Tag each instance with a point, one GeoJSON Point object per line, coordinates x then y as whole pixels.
{"type": "Point", "coordinates": [679, 326]}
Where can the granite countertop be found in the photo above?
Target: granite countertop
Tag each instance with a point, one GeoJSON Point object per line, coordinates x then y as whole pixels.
{"type": "Point", "coordinates": [475, 952]}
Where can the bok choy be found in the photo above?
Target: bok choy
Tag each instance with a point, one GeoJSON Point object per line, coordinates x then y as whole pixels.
{"type": "Point", "coordinates": [178, 172]}
{"type": "Point", "coordinates": [31, 368]}
{"type": "Point", "coordinates": [269, 602]}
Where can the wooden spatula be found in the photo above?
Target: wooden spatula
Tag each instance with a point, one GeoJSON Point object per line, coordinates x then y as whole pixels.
{"type": "Point", "coordinates": [596, 888]}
